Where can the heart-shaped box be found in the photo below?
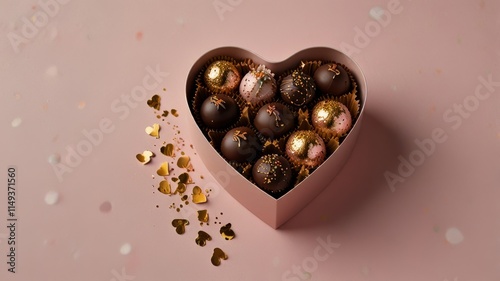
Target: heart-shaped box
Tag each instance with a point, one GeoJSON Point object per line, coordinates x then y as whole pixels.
{"type": "Point", "coordinates": [274, 211]}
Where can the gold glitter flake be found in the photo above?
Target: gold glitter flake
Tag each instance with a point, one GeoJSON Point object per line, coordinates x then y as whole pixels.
{"type": "Point", "coordinates": [203, 215]}
{"type": "Point", "coordinates": [217, 256]}
{"type": "Point", "coordinates": [180, 225]}
{"type": "Point", "coordinates": [202, 238]}
{"type": "Point", "coordinates": [164, 187]}
{"type": "Point", "coordinates": [174, 112]}
{"type": "Point", "coordinates": [226, 232]}
{"type": "Point", "coordinates": [183, 162]}
{"type": "Point", "coordinates": [153, 131]}
{"type": "Point", "coordinates": [168, 150]}
{"type": "Point", "coordinates": [154, 102]}
{"type": "Point", "coordinates": [163, 170]}
{"type": "Point", "coordinates": [145, 157]}
{"type": "Point", "coordinates": [165, 113]}
{"type": "Point", "coordinates": [198, 196]}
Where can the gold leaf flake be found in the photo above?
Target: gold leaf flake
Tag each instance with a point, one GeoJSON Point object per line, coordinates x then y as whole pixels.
{"type": "Point", "coordinates": [185, 178]}
{"type": "Point", "coordinates": [163, 170]}
{"type": "Point", "coordinates": [145, 157]}
{"type": "Point", "coordinates": [202, 238]}
{"type": "Point", "coordinates": [226, 232]}
{"type": "Point", "coordinates": [203, 215]}
{"type": "Point", "coordinates": [154, 102]}
{"type": "Point", "coordinates": [217, 256]}
{"type": "Point", "coordinates": [168, 150]}
{"type": "Point", "coordinates": [164, 187]}
{"type": "Point", "coordinates": [183, 161]}
{"type": "Point", "coordinates": [153, 131]}
{"type": "Point", "coordinates": [198, 196]}
{"type": "Point", "coordinates": [180, 225]}
{"type": "Point", "coordinates": [181, 188]}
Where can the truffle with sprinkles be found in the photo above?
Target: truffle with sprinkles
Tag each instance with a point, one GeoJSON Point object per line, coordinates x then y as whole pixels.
{"type": "Point", "coordinates": [297, 88]}
{"type": "Point", "coordinates": [272, 173]}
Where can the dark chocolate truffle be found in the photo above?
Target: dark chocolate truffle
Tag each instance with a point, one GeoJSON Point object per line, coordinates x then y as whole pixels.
{"type": "Point", "coordinates": [272, 173]}
{"type": "Point", "coordinates": [274, 120]}
{"type": "Point", "coordinates": [240, 145]}
{"type": "Point", "coordinates": [297, 88]}
{"type": "Point", "coordinates": [332, 79]}
{"type": "Point", "coordinates": [222, 76]}
{"type": "Point", "coordinates": [219, 111]}
{"type": "Point", "coordinates": [306, 148]}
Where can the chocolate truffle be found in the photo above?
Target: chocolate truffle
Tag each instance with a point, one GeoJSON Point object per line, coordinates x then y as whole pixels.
{"type": "Point", "coordinates": [258, 85]}
{"type": "Point", "coordinates": [306, 148]}
{"type": "Point", "coordinates": [219, 111]}
{"type": "Point", "coordinates": [273, 120]}
{"type": "Point", "coordinates": [331, 116]}
{"type": "Point", "coordinates": [272, 173]}
{"type": "Point", "coordinates": [222, 76]}
{"type": "Point", "coordinates": [332, 79]}
{"type": "Point", "coordinates": [240, 145]}
{"type": "Point", "coordinates": [297, 88]}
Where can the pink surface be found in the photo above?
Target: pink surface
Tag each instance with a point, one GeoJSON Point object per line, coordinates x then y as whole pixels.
{"type": "Point", "coordinates": [427, 68]}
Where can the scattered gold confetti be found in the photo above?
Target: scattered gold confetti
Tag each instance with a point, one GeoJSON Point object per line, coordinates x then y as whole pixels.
{"type": "Point", "coordinates": [217, 256]}
{"type": "Point", "coordinates": [168, 150]}
{"type": "Point", "coordinates": [183, 162]}
{"type": "Point", "coordinates": [165, 113]}
{"type": "Point", "coordinates": [198, 196]}
{"type": "Point", "coordinates": [154, 102]}
{"type": "Point", "coordinates": [163, 170]}
{"type": "Point", "coordinates": [180, 225]}
{"type": "Point", "coordinates": [202, 238]}
{"type": "Point", "coordinates": [145, 157]}
{"type": "Point", "coordinates": [226, 232]}
{"type": "Point", "coordinates": [203, 215]}
{"type": "Point", "coordinates": [164, 187]}
{"type": "Point", "coordinates": [174, 112]}
{"type": "Point", "coordinates": [153, 131]}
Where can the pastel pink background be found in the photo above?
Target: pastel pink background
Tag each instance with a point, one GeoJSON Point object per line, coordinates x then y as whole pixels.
{"type": "Point", "coordinates": [441, 223]}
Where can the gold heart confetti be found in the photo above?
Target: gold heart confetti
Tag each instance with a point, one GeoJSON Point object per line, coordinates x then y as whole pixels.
{"type": "Point", "coordinates": [217, 256]}
{"type": "Point", "coordinates": [202, 238]}
{"type": "Point", "coordinates": [163, 170]}
{"type": "Point", "coordinates": [185, 178]}
{"type": "Point", "coordinates": [164, 187]}
{"type": "Point", "coordinates": [198, 196]}
{"type": "Point", "coordinates": [153, 131]}
{"type": "Point", "coordinates": [203, 215]}
{"type": "Point", "coordinates": [226, 232]}
{"type": "Point", "coordinates": [154, 102]}
{"type": "Point", "coordinates": [180, 225]}
{"type": "Point", "coordinates": [183, 162]}
{"type": "Point", "coordinates": [181, 188]}
{"type": "Point", "coordinates": [168, 150]}
{"type": "Point", "coordinates": [145, 157]}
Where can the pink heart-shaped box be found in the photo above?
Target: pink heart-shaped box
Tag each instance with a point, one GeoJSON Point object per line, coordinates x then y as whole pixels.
{"type": "Point", "coordinates": [273, 211]}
